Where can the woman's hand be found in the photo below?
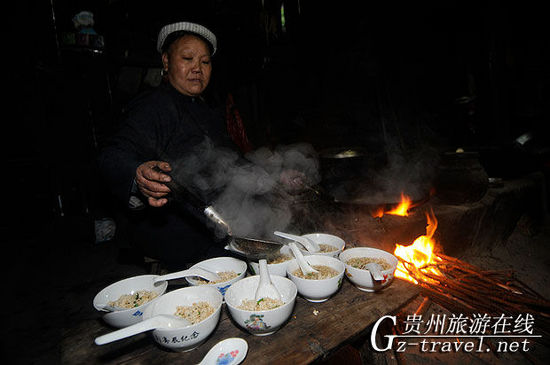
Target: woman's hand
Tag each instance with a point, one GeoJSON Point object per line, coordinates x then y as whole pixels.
{"type": "Point", "coordinates": [150, 182]}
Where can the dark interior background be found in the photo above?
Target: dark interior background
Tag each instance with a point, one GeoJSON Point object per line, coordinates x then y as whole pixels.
{"type": "Point", "coordinates": [380, 75]}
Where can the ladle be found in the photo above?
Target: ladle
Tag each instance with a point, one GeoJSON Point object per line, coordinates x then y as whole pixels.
{"type": "Point", "coordinates": [374, 270]}
{"type": "Point", "coordinates": [304, 266]}
{"type": "Point", "coordinates": [160, 320]}
{"type": "Point", "coordinates": [309, 244]}
{"type": "Point", "coordinates": [229, 351]}
{"type": "Point", "coordinates": [266, 289]}
{"type": "Point", "coordinates": [194, 271]}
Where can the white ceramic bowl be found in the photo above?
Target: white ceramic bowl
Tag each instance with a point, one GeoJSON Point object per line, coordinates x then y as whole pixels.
{"type": "Point", "coordinates": [327, 239]}
{"type": "Point", "coordinates": [274, 269]}
{"type": "Point", "coordinates": [317, 290]}
{"type": "Point", "coordinates": [362, 279]}
{"type": "Point", "coordinates": [186, 338]}
{"type": "Point", "coordinates": [219, 264]}
{"type": "Point", "coordinates": [127, 317]}
{"type": "Point", "coordinates": [260, 323]}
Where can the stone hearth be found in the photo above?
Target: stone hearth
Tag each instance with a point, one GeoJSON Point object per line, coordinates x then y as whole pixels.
{"type": "Point", "coordinates": [468, 226]}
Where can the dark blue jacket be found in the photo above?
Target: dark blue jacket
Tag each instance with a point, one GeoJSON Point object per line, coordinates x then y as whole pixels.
{"type": "Point", "coordinates": [166, 125]}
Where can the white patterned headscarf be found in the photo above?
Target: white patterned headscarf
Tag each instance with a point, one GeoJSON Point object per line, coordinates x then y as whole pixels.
{"type": "Point", "coordinates": [187, 27]}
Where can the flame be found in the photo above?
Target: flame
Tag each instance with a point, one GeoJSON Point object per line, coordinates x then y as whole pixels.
{"type": "Point", "coordinates": [420, 254]}
{"type": "Point", "coordinates": [403, 208]}
{"type": "Point", "coordinates": [378, 213]}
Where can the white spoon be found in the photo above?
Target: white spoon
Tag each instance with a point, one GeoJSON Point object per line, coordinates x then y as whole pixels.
{"type": "Point", "coordinates": [229, 351]}
{"type": "Point", "coordinates": [194, 271]}
{"type": "Point", "coordinates": [266, 289]}
{"type": "Point", "coordinates": [160, 320]}
{"type": "Point", "coordinates": [309, 244]}
{"type": "Point", "coordinates": [306, 268]}
{"type": "Point", "coordinates": [375, 270]}
{"type": "Point", "coordinates": [109, 308]}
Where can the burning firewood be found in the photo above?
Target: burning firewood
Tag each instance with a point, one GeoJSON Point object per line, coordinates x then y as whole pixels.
{"type": "Point", "coordinates": [465, 288]}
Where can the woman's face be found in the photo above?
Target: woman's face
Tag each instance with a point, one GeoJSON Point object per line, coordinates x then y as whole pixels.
{"type": "Point", "coordinates": [188, 65]}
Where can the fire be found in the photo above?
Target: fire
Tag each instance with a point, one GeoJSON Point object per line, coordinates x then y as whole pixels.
{"type": "Point", "coordinates": [420, 254]}
{"type": "Point", "coordinates": [378, 213]}
{"type": "Point", "coordinates": [402, 209]}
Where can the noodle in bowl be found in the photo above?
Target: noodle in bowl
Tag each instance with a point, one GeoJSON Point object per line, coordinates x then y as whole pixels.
{"type": "Point", "coordinates": [189, 302]}
{"type": "Point", "coordinates": [194, 313]}
{"type": "Point", "coordinates": [227, 265]}
{"type": "Point", "coordinates": [258, 318]}
{"type": "Point", "coordinates": [323, 272]}
{"type": "Point", "coordinates": [354, 258]}
{"type": "Point", "coordinates": [263, 304]}
{"type": "Point", "coordinates": [133, 300]}
{"type": "Point", "coordinates": [318, 290]}
{"type": "Point", "coordinates": [276, 266]}
{"type": "Point", "coordinates": [123, 294]}
{"type": "Point", "coordinates": [330, 245]}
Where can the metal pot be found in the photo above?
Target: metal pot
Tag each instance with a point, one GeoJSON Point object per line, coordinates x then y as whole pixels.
{"type": "Point", "coordinates": [461, 178]}
{"type": "Point", "coordinates": [342, 153]}
{"type": "Point", "coordinates": [347, 163]}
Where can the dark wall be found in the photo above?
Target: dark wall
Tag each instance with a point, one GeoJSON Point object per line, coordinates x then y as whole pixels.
{"type": "Point", "coordinates": [474, 72]}
{"type": "Point", "coordinates": [451, 73]}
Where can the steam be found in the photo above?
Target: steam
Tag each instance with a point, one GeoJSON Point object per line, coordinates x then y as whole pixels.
{"type": "Point", "coordinates": [247, 192]}
{"type": "Point", "coordinates": [409, 172]}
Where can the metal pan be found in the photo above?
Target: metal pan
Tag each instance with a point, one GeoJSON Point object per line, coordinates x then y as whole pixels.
{"type": "Point", "coordinates": [254, 249]}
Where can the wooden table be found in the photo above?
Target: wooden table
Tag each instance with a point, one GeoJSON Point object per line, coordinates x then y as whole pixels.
{"type": "Point", "coordinates": [314, 331]}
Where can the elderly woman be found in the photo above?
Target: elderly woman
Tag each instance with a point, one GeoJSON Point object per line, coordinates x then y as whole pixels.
{"type": "Point", "coordinates": [161, 127]}
{"type": "Point", "coordinates": [171, 135]}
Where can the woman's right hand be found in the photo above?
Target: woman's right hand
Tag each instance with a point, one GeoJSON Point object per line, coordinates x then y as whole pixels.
{"type": "Point", "coordinates": [150, 181]}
